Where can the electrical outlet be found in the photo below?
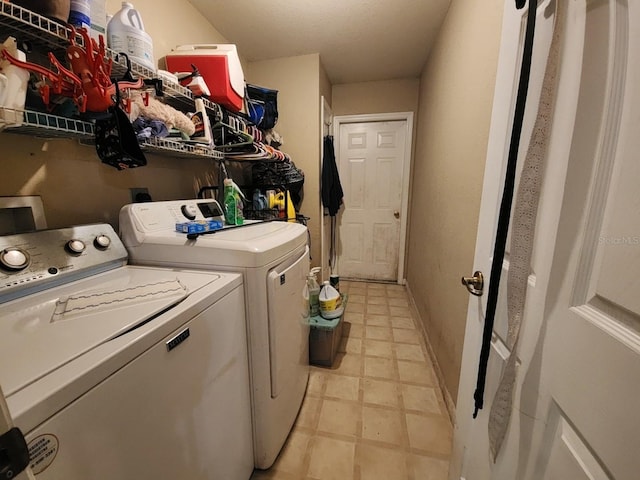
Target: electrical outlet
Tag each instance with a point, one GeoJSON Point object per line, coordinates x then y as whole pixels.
{"type": "Point", "coordinates": [139, 195]}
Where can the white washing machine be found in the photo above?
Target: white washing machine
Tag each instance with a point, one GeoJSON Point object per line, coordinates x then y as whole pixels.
{"type": "Point", "coordinates": [274, 259]}
{"type": "Point", "coordinates": [119, 372]}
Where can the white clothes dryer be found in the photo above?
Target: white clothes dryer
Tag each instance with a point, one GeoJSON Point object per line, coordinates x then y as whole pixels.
{"type": "Point", "coordinates": [274, 260]}
{"type": "Point", "coordinates": [116, 371]}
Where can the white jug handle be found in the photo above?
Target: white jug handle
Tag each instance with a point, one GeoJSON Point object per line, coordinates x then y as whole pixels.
{"type": "Point", "coordinates": [202, 46]}
{"type": "Point", "coordinates": [4, 88]}
{"type": "Point", "coordinates": [135, 19]}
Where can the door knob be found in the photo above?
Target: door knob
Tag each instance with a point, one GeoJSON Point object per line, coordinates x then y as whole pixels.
{"type": "Point", "coordinates": [396, 214]}
{"type": "Point", "coordinates": [474, 284]}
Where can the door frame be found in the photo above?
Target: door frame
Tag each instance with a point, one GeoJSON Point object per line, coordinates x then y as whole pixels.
{"type": "Point", "coordinates": [338, 121]}
{"type": "Point", "coordinates": [326, 121]}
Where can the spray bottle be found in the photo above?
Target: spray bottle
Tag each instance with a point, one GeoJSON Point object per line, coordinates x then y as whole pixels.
{"type": "Point", "coordinates": [194, 82]}
{"type": "Point", "coordinates": [314, 291]}
{"type": "Point", "coordinates": [199, 89]}
{"type": "Point", "coordinates": [233, 198]}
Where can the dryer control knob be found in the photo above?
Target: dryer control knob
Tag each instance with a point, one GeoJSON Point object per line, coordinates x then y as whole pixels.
{"type": "Point", "coordinates": [102, 242]}
{"type": "Point", "coordinates": [14, 259]}
{"type": "Point", "coordinates": [189, 211]}
{"type": "Point", "coordinates": [75, 246]}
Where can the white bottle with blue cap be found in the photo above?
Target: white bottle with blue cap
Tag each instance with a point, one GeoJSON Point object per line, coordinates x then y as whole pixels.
{"type": "Point", "coordinates": [80, 14]}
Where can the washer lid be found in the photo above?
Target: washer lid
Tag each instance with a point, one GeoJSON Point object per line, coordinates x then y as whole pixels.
{"type": "Point", "coordinates": [41, 332]}
{"type": "Point", "coordinates": [252, 245]}
{"type": "Point", "coordinates": [148, 232]}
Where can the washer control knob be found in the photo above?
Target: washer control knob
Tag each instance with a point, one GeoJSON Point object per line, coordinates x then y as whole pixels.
{"type": "Point", "coordinates": [102, 242]}
{"type": "Point", "coordinates": [189, 211]}
{"type": "Point", "coordinates": [14, 259]}
{"type": "Point", "coordinates": [75, 246]}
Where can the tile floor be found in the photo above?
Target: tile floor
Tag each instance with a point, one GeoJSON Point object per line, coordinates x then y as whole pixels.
{"type": "Point", "coordinates": [378, 412]}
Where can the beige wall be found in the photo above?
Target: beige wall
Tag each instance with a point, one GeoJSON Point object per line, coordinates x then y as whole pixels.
{"type": "Point", "coordinates": [297, 80]}
{"type": "Point", "coordinates": [456, 93]}
{"type": "Point", "coordinates": [376, 97]}
{"type": "Point", "coordinates": [76, 188]}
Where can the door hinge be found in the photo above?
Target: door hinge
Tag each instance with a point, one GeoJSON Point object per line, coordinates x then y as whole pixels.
{"type": "Point", "coordinates": [14, 454]}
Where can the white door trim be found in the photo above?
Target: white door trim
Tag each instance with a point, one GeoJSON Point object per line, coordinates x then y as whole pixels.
{"type": "Point", "coordinates": [387, 117]}
{"type": "Point", "coordinates": [326, 120]}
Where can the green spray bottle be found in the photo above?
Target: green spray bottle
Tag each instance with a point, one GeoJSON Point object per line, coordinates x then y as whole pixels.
{"type": "Point", "coordinates": [233, 198]}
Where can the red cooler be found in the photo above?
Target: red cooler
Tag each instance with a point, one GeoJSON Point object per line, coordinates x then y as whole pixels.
{"type": "Point", "coordinates": [220, 67]}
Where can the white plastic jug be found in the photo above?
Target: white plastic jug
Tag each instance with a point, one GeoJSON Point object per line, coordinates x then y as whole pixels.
{"type": "Point", "coordinates": [13, 92]}
{"type": "Point", "coordinates": [3, 88]}
{"type": "Point", "coordinates": [330, 302]}
{"type": "Point", "coordinates": [125, 33]}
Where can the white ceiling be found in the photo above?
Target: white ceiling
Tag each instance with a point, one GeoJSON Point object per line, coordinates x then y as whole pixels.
{"type": "Point", "coordinates": [358, 40]}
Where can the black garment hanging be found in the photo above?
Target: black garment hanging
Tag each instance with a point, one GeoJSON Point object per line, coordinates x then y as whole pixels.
{"type": "Point", "coordinates": [331, 187]}
{"type": "Point", "coordinates": [331, 192]}
{"type": "Point", "coordinates": [505, 205]}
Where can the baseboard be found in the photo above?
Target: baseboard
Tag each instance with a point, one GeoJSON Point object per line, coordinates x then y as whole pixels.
{"type": "Point", "coordinates": [448, 399]}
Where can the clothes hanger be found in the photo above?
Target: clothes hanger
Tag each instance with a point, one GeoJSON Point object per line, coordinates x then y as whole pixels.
{"type": "Point", "coordinates": [226, 137]}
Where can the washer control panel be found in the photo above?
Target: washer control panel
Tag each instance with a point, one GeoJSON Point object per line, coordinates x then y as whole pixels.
{"type": "Point", "coordinates": [34, 261]}
{"type": "Point", "coordinates": [163, 216]}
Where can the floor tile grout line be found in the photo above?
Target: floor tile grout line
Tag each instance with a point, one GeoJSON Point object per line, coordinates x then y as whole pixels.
{"type": "Point", "coordinates": [400, 354]}
{"type": "Point", "coordinates": [370, 442]}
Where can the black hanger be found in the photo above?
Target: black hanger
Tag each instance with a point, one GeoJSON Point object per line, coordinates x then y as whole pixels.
{"type": "Point", "coordinates": [156, 83]}
{"type": "Point", "coordinates": [127, 76]}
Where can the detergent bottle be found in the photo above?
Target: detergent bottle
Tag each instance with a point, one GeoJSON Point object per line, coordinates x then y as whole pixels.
{"type": "Point", "coordinates": [233, 197]}
{"type": "Point", "coordinates": [313, 291]}
{"type": "Point", "coordinates": [282, 201]}
{"type": "Point", "coordinates": [125, 33]}
{"type": "Point", "coordinates": [80, 14]}
{"type": "Point", "coordinates": [202, 123]}
{"type": "Point", "coordinates": [330, 302]}
{"type": "Point", "coordinates": [13, 86]}
{"type": "Point", "coordinates": [291, 211]}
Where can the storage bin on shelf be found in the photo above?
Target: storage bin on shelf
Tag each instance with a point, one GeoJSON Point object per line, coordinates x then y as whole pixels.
{"type": "Point", "coordinates": [324, 338]}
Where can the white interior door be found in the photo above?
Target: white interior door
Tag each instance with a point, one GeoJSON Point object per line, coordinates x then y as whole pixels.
{"type": "Point", "coordinates": [574, 413]}
{"type": "Point", "coordinates": [373, 158]}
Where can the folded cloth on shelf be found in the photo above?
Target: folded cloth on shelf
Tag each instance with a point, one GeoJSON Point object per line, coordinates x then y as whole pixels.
{"type": "Point", "coordinates": [156, 110]}
{"type": "Point", "coordinates": [146, 128]}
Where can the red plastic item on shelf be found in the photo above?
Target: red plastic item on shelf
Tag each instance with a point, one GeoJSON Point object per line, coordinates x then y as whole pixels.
{"type": "Point", "coordinates": [220, 67]}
